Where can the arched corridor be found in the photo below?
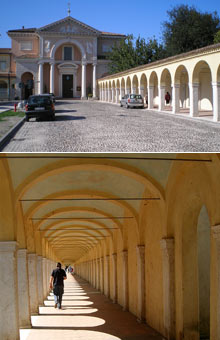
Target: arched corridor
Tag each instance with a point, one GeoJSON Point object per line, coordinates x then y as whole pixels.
{"type": "Point", "coordinates": [86, 314]}
{"type": "Point", "coordinates": [141, 229]}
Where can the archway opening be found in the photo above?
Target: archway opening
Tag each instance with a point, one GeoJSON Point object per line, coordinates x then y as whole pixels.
{"type": "Point", "coordinates": [143, 88]}
{"type": "Point", "coordinates": [28, 80]}
{"type": "Point", "coordinates": [202, 83]}
{"type": "Point", "coordinates": [3, 89]}
{"type": "Point", "coordinates": [154, 94]}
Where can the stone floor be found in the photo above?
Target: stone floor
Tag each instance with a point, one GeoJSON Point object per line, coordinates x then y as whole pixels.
{"type": "Point", "coordinates": [86, 314]}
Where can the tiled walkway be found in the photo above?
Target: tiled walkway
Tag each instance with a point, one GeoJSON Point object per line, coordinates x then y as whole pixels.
{"type": "Point", "coordinates": [86, 315]}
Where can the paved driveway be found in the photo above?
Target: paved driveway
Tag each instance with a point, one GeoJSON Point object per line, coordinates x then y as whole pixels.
{"type": "Point", "coordinates": [85, 126]}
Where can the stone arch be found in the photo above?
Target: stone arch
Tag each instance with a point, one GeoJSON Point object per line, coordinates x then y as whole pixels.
{"type": "Point", "coordinates": [154, 94]}
{"type": "Point", "coordinates": [7, 213]}
{"type": "Point", "coordinates": [181, 79]}
{"type": "Point", "coordinates": [122, 87]}
{"type": "Point", "coordinates": [166, 81]}
{"type": "Point", "coordinates": [128, 85]}
{"type": "Point", "coordinates": [3, 89]}
{"type": "Point", "coordinates": [67, 41]}
{"type": "Point", "coordinates": [135, 84]}
{"type": "Point", "coordinates": [113, 92]}
{"type": "Point", "coordinates": [144, 87]}
{"type": "Point", "coordinates": [118, 91]}
{"type": "Point", "coordinates": [109, 91]}
{"type": "Point", "coordinates": [202, 78]}
{"type": "Point", "coordinates": [188, 200]}
{"type": "Point", "coordinates": [27, 78]}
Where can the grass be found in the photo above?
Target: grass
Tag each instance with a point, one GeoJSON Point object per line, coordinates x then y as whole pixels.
{"type": "Point", "coordinates": [10, 114]}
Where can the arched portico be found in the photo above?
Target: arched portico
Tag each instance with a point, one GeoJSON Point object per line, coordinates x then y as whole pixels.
{"type": "Point", "coordinates": [192, 79]}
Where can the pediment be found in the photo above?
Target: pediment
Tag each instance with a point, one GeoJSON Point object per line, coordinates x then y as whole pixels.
{"type": "Point", "coordinates": [68, 65]}
{"type": "Point", "coordinates": [69, 25]}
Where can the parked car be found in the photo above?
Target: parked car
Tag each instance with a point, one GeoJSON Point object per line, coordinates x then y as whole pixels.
{"type": "Point", "coordinates": [132, 100]}
{"type": "Point", "coordinates": [52, 96]}
{"type": "Point", "coordinates": [40, 106]}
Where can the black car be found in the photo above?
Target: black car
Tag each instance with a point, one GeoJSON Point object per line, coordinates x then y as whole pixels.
{"type": "Point", "coordinates": [40, 106]}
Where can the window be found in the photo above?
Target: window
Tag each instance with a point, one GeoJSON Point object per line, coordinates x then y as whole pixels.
{"type": "Point", "coordinates": [106, 48]}
{"type": "Point", "coordinates": [26, 45]}
{"type": "Point", "coordinates": [2, 65]}
{"type": "Point", "coordinates": [68, 53]}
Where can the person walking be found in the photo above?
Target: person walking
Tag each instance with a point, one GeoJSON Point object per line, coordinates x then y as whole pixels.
{"type": "Point", "coordinates": [56, 283]}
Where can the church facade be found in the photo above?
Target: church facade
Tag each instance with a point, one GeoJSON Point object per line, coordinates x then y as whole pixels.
{"type": "Point", "coordinates": [65, 58]}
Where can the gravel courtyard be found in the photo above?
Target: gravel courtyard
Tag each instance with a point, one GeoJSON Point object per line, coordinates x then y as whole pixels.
{"type": "Point", "coordinates": [86, 126]}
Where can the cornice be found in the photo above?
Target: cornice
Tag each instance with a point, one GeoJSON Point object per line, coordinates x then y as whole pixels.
{"type": "Point", "coordinates": [20, 34]}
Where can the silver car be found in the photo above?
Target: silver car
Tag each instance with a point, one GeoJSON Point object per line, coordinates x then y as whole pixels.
{"type": "Point", "coordinates": [132, 100]}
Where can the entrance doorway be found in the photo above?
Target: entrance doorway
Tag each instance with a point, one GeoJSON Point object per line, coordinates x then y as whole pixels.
{"type": "Point", "coordinates": [67, 85]}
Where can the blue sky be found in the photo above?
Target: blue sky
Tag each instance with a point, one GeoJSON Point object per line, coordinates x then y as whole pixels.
{"type": "Point", "coordinates": [140, 17]}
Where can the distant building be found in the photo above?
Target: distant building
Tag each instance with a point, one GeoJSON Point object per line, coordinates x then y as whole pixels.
{"type": "Point", "coordinates": [65, 58]}
{"type": "Point", "coordinates": [7, 74]}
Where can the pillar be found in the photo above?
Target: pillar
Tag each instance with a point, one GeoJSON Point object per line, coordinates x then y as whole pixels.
{"type": "Point", "coordinates": [97, 274]}
{"type": "Point", "coordinates": [113, 95]}
{"type": "Point", "coordinates": [216, 235]}
{"type": "Point", "coordinates": [40, 78]}
{"type": "Point", "coordinates": [176, 98]}
{"type": "Point", "coordinates": [32, 277]}
{"type": "Point", "coordinates": [167, 246]}
{"type": "Point", "coordinates": [194, 99]}
{"type": "Point", "coordinates": [83, 95]}
{"type": "Point", "coordinates": [141, 283]}
{"type": "Point", "coordinates": [23, 289]}
{"type": "Point", "coordinates": [52, 68]}
{"type": "Point", "coordinates": [150, 97]}
{"type": "Point", "coordinates": [8, 288]}
{"type": "Point", "coordinates": [101, 276]}
{"type": "Point", "coordinates": [124, 254]}
{"type": "Point", "coordinates": [45, 283]}
{"type": "Point", "coordinates": [114, 277]}
{"type": "Point", "coordinates": [40, 280]}
{"type": "Point", "coordinates": [216, 101]}
{"type": "Point", "coordinates": [94, 79]}
{"type": "Point", "coordinates": [117, 95]}
{"type": "Point", "coordinates": [106, 281]}
{"type": "Point", "coordinates": [161, 98]}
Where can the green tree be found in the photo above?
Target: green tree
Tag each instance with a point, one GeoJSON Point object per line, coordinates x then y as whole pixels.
{"type": "Point", "coordinates": [188, 29]}
{"type": "Point", "coordinates": [131, 53]}
{"type": "Point", "coordinates": [122, 55]}
{"type": "Point", "coordinates": [217, 38]}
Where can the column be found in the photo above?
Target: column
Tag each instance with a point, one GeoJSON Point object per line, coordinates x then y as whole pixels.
{"type": "Point", "coordinates": [124, 254]}
{"type": "Point", "coordinates": [40, 280]}
{"type": "Point", "coordinates": [141, 283]}
{"type": "Point", "coordinates": [52, 68]}
{"type": "Point", "coordinates": [32, 276]}
{"type": "Point", "coordinates": [8, 288]}
{"type": "Point", "coordinates": [161, 98]}
{"type": "Point", "coordinates": [150, 97]}
{"type": "Point", "coordinates": [94, 79]}
{"type": "Point", "coordinates": [23, 295]}
{"type": "Point", "coordinates": [97, 274]}
{"type": "Point", "coordinates": [109, 95]}
{"type": "Point", "coordinates": [167, 246]}
{"type": "Point", "coordinates": [40, 78]}
{"type": "Point", "coordinates": [106, 288]}
{"type": "Point", "coordinates": [113, 95]}
{"type": "Point", "coordinates": [194, 99]}
{"type": "Point", "coordinates": [176, 98]}
{"type": "Point", "coordinates": [117, 95]}
{"type": "Point", "coordinates": [83, 95]}
{"type": "Point", "coordinates": [216, 101]}
{"type": "Point", "coordinates": [216, 235]}
{"type": "Point", "coordinates": [114, 277]}
{"type": "Point", "coordinates": [45, 283]}
{"type": "Point", "coordinates": [101, 276]}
